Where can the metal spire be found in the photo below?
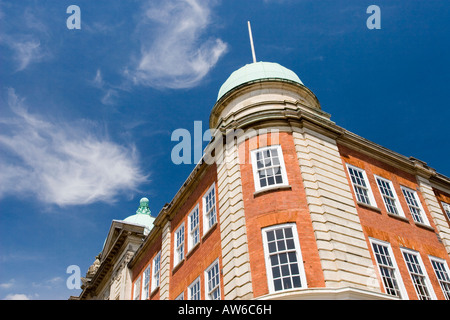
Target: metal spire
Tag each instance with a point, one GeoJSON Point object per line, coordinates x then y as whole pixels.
{"type": "Point", "coordinates": [251, 41]}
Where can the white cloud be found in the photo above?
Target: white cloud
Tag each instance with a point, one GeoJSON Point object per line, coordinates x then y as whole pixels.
{"type": "Point", "coordinates": [98, 80]}
{"type": "Point", "coordinates": [26, 38]}
{"type": "Point", "coordinates": [109, 94]}
{"type": "Point", "coordinates": [26, 50]}
{"type": "Point", "coordinates": [49, 284]}
{"type": "Point", "coordinates": [62, 163]}
{"type": "Point", "coordinates": [174, 53]}
{"type": "Point", "coordinates": [17, 296]}
{"type": "Point", "coordinates": [7, 285]}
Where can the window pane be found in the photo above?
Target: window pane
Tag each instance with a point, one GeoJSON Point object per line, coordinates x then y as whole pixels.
{"type": "Point", "coordinates": [269, 167]}
{"type": "Point", "coordinates": [417, 275]}
{"type": "Point", "coordinates": [281, 246]}
{"type": "Point", "coordinates": [272, 247]}
{"type": "Point", "coordinates": [279, 233]}
{"type": "Point", "coordinates": [213, 281]}
{"type": "Point", "coordinates": [388, 196]}
{"type": "Point", "coordinates": [296, 282]}
{"type": "Point", "coordinates": [359, 185]}
{"type": "Point", "coordinates": [277, 285]}
{"type": "Point", "coordinates": [263, 182]}
{"type": "Point", "coordinates": [290, 244]}
{"type": "Point", "coordinates": [274, 260]}
{"type": "Point", "coordinates": [285, 270]}
{"type": "Point", "coordinates": [294, 269]}
{"type": "Point", "coordinates": [386, 268]}
{"type": "Point", "coordinates": [276, 272]}
{"type": "Point", "coordinates": [287, 283]}
{"type": "Point", "coordinates": [292, 256]}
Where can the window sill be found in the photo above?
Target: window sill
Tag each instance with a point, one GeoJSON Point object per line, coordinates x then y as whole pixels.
{"type": "Point", "coordinates": [398, 217]}
{"type": "Point", "coordinates": [209, 231]}
{"type": "Point", "coordinates": [424, 226]}
{"type": "Point", "coordinates": [271, 188]}
{"type": "Point", "coordinates": [191, 250]}
{"type": "Point", "coordinates": [153, 292]}
{"type": "Point", "coordinates": [368, 206]}
{"type": "Point", "coordinates": [178, 265]}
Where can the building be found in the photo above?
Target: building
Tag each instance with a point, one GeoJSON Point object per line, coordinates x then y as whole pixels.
{"type": "Point", "coordinates": [285, 204]}
{"type": "Point", "coordinates": [109, 278]}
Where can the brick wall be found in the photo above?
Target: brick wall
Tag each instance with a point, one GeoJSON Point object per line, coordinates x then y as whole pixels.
{"type": "Point", "coordinates": [277, 207]}
{"type": "Point", "coordinates": [201, 256]}
{"type": "Point", "coordinates": [398, 232]}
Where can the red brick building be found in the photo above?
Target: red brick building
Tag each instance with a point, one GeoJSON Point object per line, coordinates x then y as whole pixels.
{"type": "Point", "coordinates": [286, 204]}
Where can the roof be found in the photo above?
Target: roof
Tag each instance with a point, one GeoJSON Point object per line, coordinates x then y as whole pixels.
{"type": "Point", "coordinates": [142, 216]}
{"type": "Point", "coordinates": [257, 71]}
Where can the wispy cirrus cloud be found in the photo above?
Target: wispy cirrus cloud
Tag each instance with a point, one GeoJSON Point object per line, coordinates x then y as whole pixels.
{"type": "Point", "coordinates": [26, 39]}
{"type": "Point", "coordinates": [62, 163]}
{"type": "Point", "coordinates": [26, 50]}
{"type": "Point", "coordinates": [7, 285]}
{"type": "Point", "coordinates": [175, 53]}
{"type": "Point", "coordinates": [17, 296]}
{"type": "Point", "coordinates": [109, 93]}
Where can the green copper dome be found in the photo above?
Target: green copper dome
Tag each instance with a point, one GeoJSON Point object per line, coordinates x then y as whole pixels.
{"type": "Point", "coordinates": [257, 71]}
{"type": "Point", "coordinates": [142, 216]}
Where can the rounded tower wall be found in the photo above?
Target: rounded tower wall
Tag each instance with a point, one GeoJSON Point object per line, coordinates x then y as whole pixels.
{"type": "Point", "coordinates": [260, 98]}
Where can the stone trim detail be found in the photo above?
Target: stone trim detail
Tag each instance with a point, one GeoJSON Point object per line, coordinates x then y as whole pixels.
{"type": "Point", "coordinates": [435, 210]}
{"type": "Point", "coordinates": [237, 279]}
{"type": "Point", "coordinates": [343, 249]}
{"type": "Point", "coordinates": [165, 263]}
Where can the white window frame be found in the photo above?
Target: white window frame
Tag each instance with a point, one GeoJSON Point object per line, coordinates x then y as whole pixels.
{"type": "Point", "coordinates": [137, 289]}
{"type": "Point", "coordinates": [192, 286]}
{"type": "Point", "coordinates": [367, 187]}
{"type": "Point", "coordinates": [194, 231]}
{"type": "Point", "coordinates": [424, 274]}
{"type": "Point", "coordinates": [208, 292]}
{"type": "Point", "coordinates": [297, 250]}
{"type": "Point", "coordinates": [156, 271]}
{"type": "Point", "coordinates": [397, 275]}
{"type": "Point", "coordinates": [179, 247]}
{"type": "Point", "coordinates": [146, 284]}
{"type": "Point", "coordinates": [419, 206]}
{"type": "Point", "coordinates": [446, 208]}
{"type": "Point", "coordinates": [447, 270]}
{"type": "Point", "coordinates": [397, 203]}
{"type": "Point", "coordinates": [180, 296]}
{"type": "Point", "coordinates": [282, 165]}
{"type": "Point", "coordinates": [206, 219]}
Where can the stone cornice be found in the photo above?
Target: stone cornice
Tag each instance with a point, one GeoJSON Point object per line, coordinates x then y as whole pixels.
{"type": "Point", "coordinates": [118, 236]}
{"type": "Point", "coordinates": [408, 164]}
{"type": "Point", "coordinates": [295, 114]}
{"type": "Point", "coordinates": [310, 100]}
{"type": "Point", "coordinates": [441, 182]}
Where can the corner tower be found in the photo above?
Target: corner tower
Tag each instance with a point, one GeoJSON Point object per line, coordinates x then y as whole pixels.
{"type": "Point", "coordinates": [283, 192]}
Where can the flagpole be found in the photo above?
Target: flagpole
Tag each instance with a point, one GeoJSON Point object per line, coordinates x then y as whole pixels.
{"type": "Point", "coordinates": [251, 41]}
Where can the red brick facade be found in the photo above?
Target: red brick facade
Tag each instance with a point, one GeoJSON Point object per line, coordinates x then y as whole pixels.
{"type": "Point", "coordinates": [278, 207]}
{"type": "Point", "coordinates": [289, 205]}
{"type": "Point", "coordinates": [397, 231]}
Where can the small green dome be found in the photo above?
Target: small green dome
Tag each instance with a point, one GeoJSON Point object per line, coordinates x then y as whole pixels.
{"type": "Point", "coordinates": [142, 217]}
{"type": "Point", "coordinates": [257, 71]}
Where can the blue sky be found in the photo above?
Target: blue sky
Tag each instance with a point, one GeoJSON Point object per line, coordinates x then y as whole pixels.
{"type": "Point", "coordinates": [86, 116]}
